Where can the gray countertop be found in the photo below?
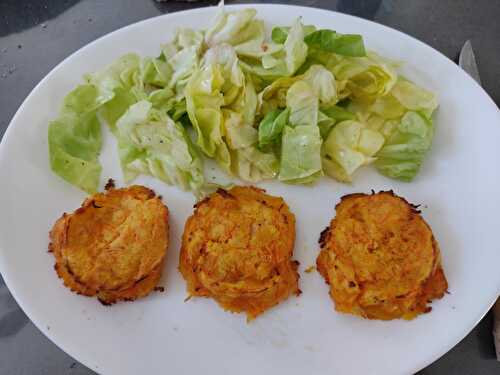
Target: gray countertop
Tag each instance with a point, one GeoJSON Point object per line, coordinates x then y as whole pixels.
{"type": "Point", "coordinates": [36, 35]}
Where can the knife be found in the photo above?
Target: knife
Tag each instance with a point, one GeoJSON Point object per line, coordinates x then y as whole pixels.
{"type": "Point", "coordinates": [467, 61]}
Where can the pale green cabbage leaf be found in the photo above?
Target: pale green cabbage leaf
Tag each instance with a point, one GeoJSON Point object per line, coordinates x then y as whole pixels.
{"type": "Point", "coordinates": [300, 154]}
{"type": "Point", "coordinates": [349, 146]}
{"type": "Point", "coordinates": [403, 153]}
{"type": "Point", "coordinates": [150, 142]}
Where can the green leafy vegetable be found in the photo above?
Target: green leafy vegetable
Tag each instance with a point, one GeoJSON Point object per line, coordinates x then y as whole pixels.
{"type": "Point", "coordinates": [295, 48]}
{"type": "Point", "coordinates": [303, 104]}
{"type": "Point", "coordinates": [338, 113]}
{"type": "Point", "coordinates": [238, 133]}
{"type": "Point", "coordinates": [272, 126]}
{"type": "Point", "coordinates": [322, 81]}
{"type": "Point", "coordinates": [75, 139]}
{"type": "Point", "coordinates": [274, 95]}
{"type": "Point", "coordinates": [117, 75]}
{"type": "Point", "coordinates": [402, 155]}
{"type": "Point", "coordinates": [152, 143]}
{"type": "Point", "coordinates": [364, 79]}
{"type": "Point", "coordinates": [204, 101]}
{"type": "Point", "coordinates": [253, 165]}
{"type": "Point", "coordinates": [341, 44]}
{"type": "Point", "coordinates": [186, 38]}
{"type": "Point", "coordinates": [328, 117]}
{"type": "Point", "coordinates": [228, 26]}
{"type": "Point", "coordinates": [414, 98]}
{"type": "Point", "coordinates": [280, 33]}
{"type": "Point", "coordinates": [252, 42]}
{"type": "Point", "coordinates": [300, 154]}
{"type": "Point", "coordinates": [325, 124]}
{"type": "Point", "coordinates": [349, 146]}
{"type": "Point", "coordinates": [295, 106]}
{"type": "Point", "coordinates": [221, 103]}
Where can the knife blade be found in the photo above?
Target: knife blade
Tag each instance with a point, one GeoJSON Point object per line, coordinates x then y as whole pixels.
{"type": "Point", "coordinates": [467, 61]}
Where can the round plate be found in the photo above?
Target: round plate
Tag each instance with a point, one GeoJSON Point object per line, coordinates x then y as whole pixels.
{"type": "Point", "coordinates": [458, 188]}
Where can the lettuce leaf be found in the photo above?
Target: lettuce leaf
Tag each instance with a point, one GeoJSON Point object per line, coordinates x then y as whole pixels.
{"type": "Point", "coordinates": [120, 74]}
{"type": "Point", "coordinates": [294, 104]}
{"type": "Point", "coordinates": [338, 113]}
{"type": "Point", "coordinates": [300, 154]}
{"type": "Point", "coordinates": [242, 31]}
{"type": "Point", "coordinates": [280, 33]}
{"type": "Point", "coordinates": [365, 78]}
{"type": "Point", "coordinates": [349, 146]}
{"type": "Point", "coordinates": [303, 104]}
{"type": "Point", "coordinates": [295, 48]}
{"type": "Point", "coordinates": [221, 105]}
{"type": "Point", "coordinates": [274, 95]}
{"type": "Point", "coordinates": [322, 81]}
{"type": "Point", "coordinates": [252, 42]}
{"type": "Point", "coordinates": [341, 44]}
{"type": "Point", "coordinates": [227, 26]}
{"type": "Point", "coordinates": [325, 124]}
{"type": "Point", "coordinates": [225, 56]}
{"type": "Point", "coordinates": [277, 61]}
{"type": "Point", "coordinates": [186, 38]}
{"type": "Point", "coordinates": [247, 103]}
{"type": "Point", "coordinates": [253, 165]}
{"type": "Point", "coordinates": [75, 139]}
{"type": "Point", "coordinates": [155, 72]}
{"type": "Point", "coordinates": [414, 97]}
{"type": "Point", "coordinates": [259, 72]}
{"type": "Point", "coordinates": [329, 116]}
{"type": "Point", "coordinates": [238, 133]}
{"type": "Point", "coordinates": [271, 127]}
{"type": "Point", "coordinates": [152, 143]}
{"type": "Point", "coordinates": [403, 154]}
{"type": "Point", "coordinates": [247, 162]}
{"type": "Point", "coordinates": [204, 101]}
{"type": "Point", "coordinates": [75, 136]}
{"type": "Point", "coordinates": [183, 64]}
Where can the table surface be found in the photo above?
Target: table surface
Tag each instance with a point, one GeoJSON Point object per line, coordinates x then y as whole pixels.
{"type": "Point", "coordinates": [36, 35]}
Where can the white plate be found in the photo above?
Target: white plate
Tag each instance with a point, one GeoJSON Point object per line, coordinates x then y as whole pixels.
{"type": "Point", "coordinates": [458, 187]}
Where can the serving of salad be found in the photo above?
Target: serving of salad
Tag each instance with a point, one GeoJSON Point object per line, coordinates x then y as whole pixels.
{"type": "Point", "coordinates": [294, 105]}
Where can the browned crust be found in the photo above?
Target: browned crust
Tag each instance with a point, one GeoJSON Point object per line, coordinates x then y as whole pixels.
{"type": "Point", "coordinates": [391, 193]}
{"type": "Point", "coordinates": [251, 300]}
{"type": "Point", "coordinates": [141, 288]}
{"type": "Point", "coordinates": [110, 184]}
{"type": "Point", "coordinates": [129, 291]}
{"type": "Point", "coordinates": [433, 287]}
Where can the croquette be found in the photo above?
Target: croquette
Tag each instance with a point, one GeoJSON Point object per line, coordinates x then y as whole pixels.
{"type": "Point", "coordinates": [237, 249]}
{"type": "Point", "coordinates": [114, 245]}
{"type": "Point", "coordinates": [380, 258]}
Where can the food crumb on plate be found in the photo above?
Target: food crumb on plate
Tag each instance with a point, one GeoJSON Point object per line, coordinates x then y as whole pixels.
{"type": "Point", "coordinates": [310, 269]}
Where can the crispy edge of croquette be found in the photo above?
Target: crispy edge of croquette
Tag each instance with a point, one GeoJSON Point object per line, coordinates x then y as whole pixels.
{"type": "Point", "coordinates": [139, 288]}
{"type": "Point", "coordinates": [428, 289]}
{"type": "Point", "coordinates": [192, 280]}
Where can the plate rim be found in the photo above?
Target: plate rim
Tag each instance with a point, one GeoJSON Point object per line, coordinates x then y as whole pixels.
{"type": "Point", "coordinates": [259, 7]}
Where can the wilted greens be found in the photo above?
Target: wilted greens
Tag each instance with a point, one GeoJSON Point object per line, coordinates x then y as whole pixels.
{"type": "Point", "coordinates": [296, 106]}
